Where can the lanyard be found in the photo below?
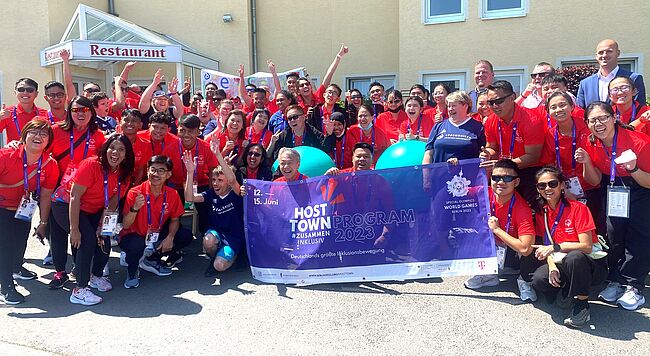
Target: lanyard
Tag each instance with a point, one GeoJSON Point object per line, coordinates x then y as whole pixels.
{"type": "Point", "coordinates": [512, 140]}
{"type": "Point", "coordinates": [632, 118]}
{"type": "Point", "coordinates": [153, 149]}
{"type": "Point", "coordinates": [339, 162]}
{"type": "Point", "coordinates": [38, 174]}
{"type": "Point", "coordinates": [548, 120]}
{"type": "Point", "coordinates": [162, 212]}
{"type": "Point", "coordinates": [373, 135]}
{"type": "Point", "coordinates": [556, 222]}
{"type": "Point", "coordinates": [612, 164]}
{"type": "Point", "coordinates": [180, 149]}
{"type": "Point", "coordinates": [72, 144]}
{"type": "Point", "coordinates": [250, 136]}
{"type": "Point", "coordinates": [51, 117]}
{"type": "Point", "coordinates": [15, 115]}
{"type": "Point", "coordinates": [106, 191]}
{"type": "Point", "coordinates": [324, 115]}
{"type": "Point", "coordinates": [573, 147]}
{"type": "Point", "coordinates": [508, 220]}
{"type": "Point", "coordinates": [408, 124]}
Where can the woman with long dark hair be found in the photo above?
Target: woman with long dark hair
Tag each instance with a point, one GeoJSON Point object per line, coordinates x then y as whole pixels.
{"type": "Point", "coordinates": [254, 164]}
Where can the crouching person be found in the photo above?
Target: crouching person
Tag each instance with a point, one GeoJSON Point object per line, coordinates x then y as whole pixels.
{"type": "Point", "coordinates": [224, 239]}
{"type": "Point", "coordinates": [152, 220]}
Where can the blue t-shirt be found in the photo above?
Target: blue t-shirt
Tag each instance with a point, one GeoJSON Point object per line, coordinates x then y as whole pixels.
{"type": "Point", "coordinates": [277, 122]}
{"type": "Point", "coordinates": [448, 140]}
{"type": "Point", "coordinates": [226, 216]}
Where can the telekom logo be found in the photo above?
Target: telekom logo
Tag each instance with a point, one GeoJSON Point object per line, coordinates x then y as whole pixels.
{"type": "Point", "coordinates": [481, 264]}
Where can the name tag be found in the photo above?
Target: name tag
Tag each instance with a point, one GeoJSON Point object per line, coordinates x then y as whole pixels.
{"type": "Point", "coordinates": [109, 223]}
{"type": "Point", "coordinates": [26, 208]}
{"type": "Point", "coordinates": [501, 256]}
{"type": "Point", "coordinates": [575, 188]}
{"type": "Point", "coordinates": [618, 202]}
{"type": "Point", "coordinates": [195, 189]}
{"type": "Point", "coordinates": [69, 174]}
{"type": "Point", "coordinates": [151, 238]}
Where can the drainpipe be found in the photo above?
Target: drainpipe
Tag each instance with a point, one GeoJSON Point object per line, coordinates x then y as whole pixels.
{"type": "Point", "coordinates": [111, 7]}
{"type": "Point", "coordinates": [254, 33]}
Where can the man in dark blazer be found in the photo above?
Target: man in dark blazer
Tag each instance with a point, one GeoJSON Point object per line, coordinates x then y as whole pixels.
{"type": "Point", "coordinates": [594, 87]}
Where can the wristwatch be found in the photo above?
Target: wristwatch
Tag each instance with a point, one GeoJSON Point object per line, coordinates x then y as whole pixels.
{"type": "Point", "coordinates": [556, 247]}
{"type": "Point", "coordinates": [133, 210]}
{"type": "Point", "coordinates": [636, 168]}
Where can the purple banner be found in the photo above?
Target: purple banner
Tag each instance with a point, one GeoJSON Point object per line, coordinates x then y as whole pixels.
{"type": "Point", "coordinates": [393, 224]}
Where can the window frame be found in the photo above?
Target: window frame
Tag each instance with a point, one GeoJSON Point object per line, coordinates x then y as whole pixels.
{"type": "Point", "coordinates": [372, 77]}
{"type": "Point", "coordinates": [440, 19]}
{"type": "Point", "coordinates": [462, 75]}
{"type": "Point", "coordinates": [637, 60]}
{"type": "Point", "coordinates": [486, 14]}
{"type": "Point", "coordinates": [521, 71]}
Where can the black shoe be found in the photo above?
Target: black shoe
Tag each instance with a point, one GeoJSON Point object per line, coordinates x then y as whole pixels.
{"type": "Point", "coordinates": [173, 259]}
{"type": "Point", "coordinates": [59, 280]}
{"type": "Point", "coordinates": [11, 297]}
{"type": "Point", "coordinates": [24, 274]}
{"type": "Point", "coordinates": [210, 271]}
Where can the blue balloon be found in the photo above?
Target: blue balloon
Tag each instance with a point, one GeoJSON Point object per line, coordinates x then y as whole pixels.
{"type": "Point", "coordinates": [402, 154]}
{"type": "Point", "coordinates": [313, 162]}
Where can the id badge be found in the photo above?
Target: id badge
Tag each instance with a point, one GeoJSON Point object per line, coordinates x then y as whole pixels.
{"type": "Point", "coordinates": [151, 238]}
{"type": "Point", "coordinates": [69, 174]}
{"type": "Point", "coordinates": [501, 256]}
{"type": "Point", "coordinates": [109, 223]}
{"type": "Point", "coordinates": [26, 208]}
{"type": "Point", "coordinates": [575, 188]}
{"type": "Point", "coordinates": [618, 202]}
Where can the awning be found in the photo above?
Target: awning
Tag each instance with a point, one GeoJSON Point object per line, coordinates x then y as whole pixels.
{"type": "Point", "coordinates": [94, 37]}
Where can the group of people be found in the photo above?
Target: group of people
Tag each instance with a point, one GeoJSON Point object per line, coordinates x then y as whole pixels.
{"type": "Point", "coordinates": [564, 170]}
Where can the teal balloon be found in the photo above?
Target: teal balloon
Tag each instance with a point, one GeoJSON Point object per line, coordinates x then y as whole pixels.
{"type": "Point", "coordinates": [402, 154]}
{"type": "Point", "coordinates": [313, 162]}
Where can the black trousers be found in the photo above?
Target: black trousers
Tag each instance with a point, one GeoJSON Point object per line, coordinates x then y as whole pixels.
{"type": "Point", "coordinates": [578, 272]}
{"type": "Point", "coordinates": [59, 226]}
{"type": "Point", "coordinates": [13, 244]}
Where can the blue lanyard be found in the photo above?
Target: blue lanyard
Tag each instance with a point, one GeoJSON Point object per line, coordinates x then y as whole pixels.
{"type": "Point", "coordinates": [548, 120]}
{"type": "Point", "coordinates": [509, 219]}
{"type": "Point", "coordinates": [250, 136]}
{"type": "Point", "coordinates": [573, 147]}
{"type": "Point", "coordinates": [612, 157]}
{"type": "Point", "coordinates": [512, 140]}
{"type": "Point", "coordinates": [632, 118]}
{"type": "Point", "coordinates": [51, 117]}
{"type": "Point", "coordinates": [106, 198]}
{"type": "Point", "coordinates": [162, 212]}
{"type": "Point", "coordinates": [408, 124]}
{"type": "Point", "coordinates": [72, 144]}
{"type": "Point", "coordinates": [180, 149]}
{"type": "Point", "coordinates": [373, 136]}
{"type": "Point", "coordinates": [339, 162]}
{"type": "Point", "coordinates": [556, 222]}
{"type": "Point", "coordinates": [15, 116]}
{"type": "Point", "coordinates": [26, 176]}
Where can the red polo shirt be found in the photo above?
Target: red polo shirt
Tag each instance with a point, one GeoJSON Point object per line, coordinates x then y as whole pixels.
{"type": "Point", "coordinates": [318, 98]}
{"type": "Point", "coordinates": [626, 116]}
{"type": "Point", "coordinates": [173, 208]}
{"type": "Point", "coordinates": [157, 147]}
{"type": "Point", "coordinates": [143, 151]}
{"type": "Point", "coordinates": [638, 142]}
{"type": "Point", "coordinates": [530, 132]}
{"type": "Point", "coordinates": [576, 219]}
{"type": "Point", "coordinates": [283, 179]}
{"type": "Point", "coordinates": [521, 221]}
{"type": "Point", "coordinates": [206, 161]}
{"type": "Point", "coordinates": [61, 144]}
{"type": "Point", "coordinates": [353, 134]}
{"type": "Point", "coordinates": [22, 118]}
{"type": "Point", "coordinates": [256, 137]}
{"type": "Point", "coordinates": [91, 175]}
{"type": "Point", "coordinates": [421, 126]}
{"type": "Point", "coordinates": [11, 174]}
{"type": "Point", "coordinates": [390, 125]}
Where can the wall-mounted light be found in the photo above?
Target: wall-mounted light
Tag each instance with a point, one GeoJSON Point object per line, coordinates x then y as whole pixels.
{"type": "Point", "coordinates": [227, 18]}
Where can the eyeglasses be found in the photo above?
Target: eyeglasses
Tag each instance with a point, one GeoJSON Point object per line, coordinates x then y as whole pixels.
{"type": "Point", "coordinates": [41, 134]}
{"type": "Point", "coordinates": [304, 85]}
{"type": "Point", "coordinates": [254, 154]}
{"type": "Point", "coordinates": [622, 89]}
{"type": "Point", "coordinates": [552, 184]}
{"type": "Point", "coordinates": [505, 178]}
{"type": "Point", "coordinates": [600, 120]}
{"type": "Point", "coordinates": [332, 92]}
{"type": "Point", "coordinates": [539, 75]}
{"type": "Point", "coordinates": [294, 117]}
{"type": "Point", "coordinates": [153, 170]}
{"type": "Point", "coordinates": [26, 89]}
{"type": "Point", "coordinates": [250, 89]}
{"type": "Point", "coordinates": [498, 101]}
{"type": "Point", "coordinates": [92, 90]}
{"type": "Point", "coordinates": [82, 109]}
{"type": "Point", "coordinates": [55, 95]}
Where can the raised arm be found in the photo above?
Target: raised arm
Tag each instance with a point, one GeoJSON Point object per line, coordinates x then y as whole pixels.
{"type": "Point", "coordinates": [276, 79]}
{"type": "Point", "coordinates": [227, 171]}
{"type": "Point", "coordinates": [335, 63]}
{"type": "Point", "coordinates": [145, 100]}
{"type": "Point", "coordinates": [70, 90]}
{"type": "Point", "coordinates": [190, 166]}
{"type": "Point", "coordinates": [242, 87]}
{"type": "Point", "coordinates": [120, 101]}
{"type": "Point", "coordinates": [176, 99]}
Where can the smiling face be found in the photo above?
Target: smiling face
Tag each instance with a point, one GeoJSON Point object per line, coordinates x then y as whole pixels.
{"type": "Point", "coordinates": [36, 140]}
{"type": "Point", "coordinates": [559, 109]}
{"type": "Point", "coordinates": [288, 166]}
{"type": "Point", "coordinates": [292, 84]}
{"type": "Point", "coordinates": [483, 76]}
{"type": "Point", "coordinates": [503, 188]}
{"type": "Point", "coordinates": [160, 103]}
{"type": "Point", "coordinates": [364, 117]}
{"type": "Point", "coordinates": [361, 159]}
{"type": "Point", "coordinates": [621, 92]}
{"type": "Point", "coordinates": [115, 153]}
{"type": "Point", "coordinates": [457, 110]}
{"type": "Point", "coordinates": [25, 93]}
{"type": "Point", "coordinates": [225, 109]}
{"type": "Point", "coordinates": [55, 97]}
{"type": "Point", "coordinates": [220, 184]}
{"type": "Point", "coordinates": [259, 100]}
{"type": "Point", "coordinates": [418, 92]}
{"type": "Point", "coordinates": [338, 128]}
{"type": "Point", "coordinates": [552, 191]}
{"type": "Point", "coordinates": [188, 136]}
{"type": "Point", "coordinates": [550, 88]}
{"type": "Point", "coordinates": [130, 125]}
{"type": "Point", "coordinates": [102, 108]}
{"type": "Point", "coordinates": [254, 158]}
{"type": "Point", "coordinates": [482, 106]}
{"type": "Point", "coordinates": [296, 119]}
{"type": "Point", "coordinates": [502, 104]}
{"type": "Point", "coordinates": [600, 123]}
{"type": "Point", "coordinates": [157, 174]}
{"type": "Point", "coordinates": [281, 101]}
{"type": "Point", "coordinates": [394, 102]}
{"type": "Point", "coordinates": [439, 95]}
{"type": "Point", "coordinates": [81, 116]}
{"type": "Point", "coordinates": [234, 124]}
{"type": "Point", "coordinates": [260, 122]}
{"type": "Point", "coordinates": [331, 95]}
{"type": "Point", "coordinates": [413, 109]}
{"type": "Point", "coordinates": [304, 87]}
{"type": "Point", "coordinates": [607, 53]}
{"type": "Point", "coordinates": [376, 94]}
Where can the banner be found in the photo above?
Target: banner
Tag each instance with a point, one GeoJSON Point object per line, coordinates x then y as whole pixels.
{"type": "Point", "coordinates": [230, 83]}
{"type": "Point", "coordinates": [394, 224]}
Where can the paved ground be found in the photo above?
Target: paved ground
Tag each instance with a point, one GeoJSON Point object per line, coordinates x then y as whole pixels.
{"type": "Point", "coordinates": [189, 314]}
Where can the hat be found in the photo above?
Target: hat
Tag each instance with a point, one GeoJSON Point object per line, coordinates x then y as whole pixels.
{"type": "Point", "coordinates": [337, 116]}
{"type": "Point", "coordinates": [158, 93]}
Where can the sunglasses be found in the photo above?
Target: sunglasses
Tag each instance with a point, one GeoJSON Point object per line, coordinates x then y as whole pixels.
{"type": "Point", "coordinates": [505, 178]}
{"type": "Point", "coordinates": [498, 101]}
{"type": "Point", "coordinates": [354, 97]}
{"type": "Point", "coordinates": [55, 95]}
{"type": "Point", "coordinates": [539, 75]}
{"type": "Point", "coordinates": [294, 117]}
{"type": "Point", "coordinates": [552, 184]}
{"type": "Point", "coordinates": [254, 154]}
{"type": "Point", "coordinates": [81, 109]}
{"type": "Point", "coordinates": [92, 90]}
{"type": "Point", "coordinates": [26, 89]}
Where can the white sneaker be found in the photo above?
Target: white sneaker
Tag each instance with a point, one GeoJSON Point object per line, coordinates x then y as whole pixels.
{"type": "Point", "coordinates": [612, 292]}
{"type": "Point", "coordinates": [123, 259]}
{"type": "Point", "coordinates": [488, 280]}
{"type": "Point", "coordinates": [100, 283]}
{"type": "Point", "coordinates": [631, 299]}
{"type": "Point", "coordinates": [106, 272]}
{"type": "Point", "coordinates": [526, 291]}
{"type": "Point", "coordinates": [84, 296]}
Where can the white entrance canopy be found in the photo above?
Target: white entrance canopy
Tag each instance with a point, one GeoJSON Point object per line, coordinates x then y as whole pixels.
{"type": "Point", "coordinates": [96, 39]}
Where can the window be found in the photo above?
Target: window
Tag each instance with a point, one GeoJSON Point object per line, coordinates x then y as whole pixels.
{"type": "Point", "coordinates": [498, 9]}
{"type": "Point", "coordinates": [455, 80]}
{"type": "Point", "coordinates": [363, 83]}
{"type": "Point", "coordinates": [444, 11]}
{"type": "Point", "coordinates": [515, 75]}
{"type": "Point", "coordinates": [631, 62]}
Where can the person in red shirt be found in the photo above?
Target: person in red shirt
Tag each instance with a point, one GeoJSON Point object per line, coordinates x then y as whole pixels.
{"type": "Point", "coordinates": [628, 111]}
{"type": "Point", "coordinates": [483, 110]}
{"type": "Point", "coordinates": [323, 112]}
{"type": "Point", "coordinates": [289, 163]}
{"type": "Point", "coordinates": [627, 186]}
{"type": "Point", "coordinates": [419, 123]}
{"type": "Point", "coordinates": [562, 264]}
{"type": "Point", "coordinates": [420, 91]}
{"type": "Point", "coordinates": [440, 93]}
{"type": "Point", "coordinates": [511, 132]}
{"type": "Point", "coordinates": [158, 133]}
{"type": "Point", "coordinates": [152, 213]}
{"type": "Point", "coordinates": [511, 223]}
{"type": "Point", "coordinates": [361, 160]}
{"type": "Point", "coordinates": [258, 132]}
{"type": "Point", "coordinates": [391, 120]}
{"type": "Point", "coordinates": [232, 137]}
{"type": "Point", "coordinates": [13, 118]}
{"type": "Point", "coordinates": [551, 84]}
{"type": "Point", "coordinates": [365, 131]}
{"type": "Point", "coordinates": [129, 124]}
{"type": "Point", "coordinates": [306, 98]}
{"type": "Point", "coordinates": [27, 178]}
{"type": "Point", "coordinates": [57, 100]}
{"type": "Point", "coordinates": [93, 207]}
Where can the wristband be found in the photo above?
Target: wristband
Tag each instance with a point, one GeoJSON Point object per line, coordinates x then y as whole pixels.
{"type": "Point", "coordinates": [636, 168]}
{"type": "Point", "coordinates": [556, 247]}
{"type": "Point", "coordinates": [133, 210]}
{"type": "Point", "coordinates": [42, 222]}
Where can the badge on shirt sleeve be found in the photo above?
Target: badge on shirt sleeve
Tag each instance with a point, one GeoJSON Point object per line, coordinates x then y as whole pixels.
{"type": "Point", "coordinates": [618, 202]}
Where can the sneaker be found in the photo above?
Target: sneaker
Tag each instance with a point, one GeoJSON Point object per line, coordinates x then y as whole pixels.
{"type": "Point", "coordinates": [100, 283]}
{"type": "Point", "coordinates": [155, 267]}
{"type": "Point", "coordinates": [24, 274]}
{"type": "Point", "coordinates": [84, 296]}
{"type": "Point", "coordinates": [579, 317]}
{"type": "Point", "coordinates": [173, 260]}
{"type": "Point", "coordinates": [123, 259]}
{"type": "Point", "coordinates": [526, 291]}
{"type": "Point", "coordinates": [59, 280]}
{"type": "Point", "coordinates": [11, 297]}
{"type": "Point", "coordinates": [210, 271]}
{"type": "Point", "coordinates": [562, 301]}
{"type": "Point", "coordinates": [477, 282]}
{"type": "Point", "coordinates": [612, 292]}
{"type": "Point", "coordinates": [47, 260]}
{"type": "Point", "coordinates": [631, 299]}
{"type": "Point", "coordinates": [132, 282]}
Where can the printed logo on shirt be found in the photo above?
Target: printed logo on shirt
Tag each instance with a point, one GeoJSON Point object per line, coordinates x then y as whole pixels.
{"type": "Point", "coordinates": [568, 228]}
{"type": "Point", "coordinates": [459, 185]}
